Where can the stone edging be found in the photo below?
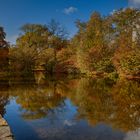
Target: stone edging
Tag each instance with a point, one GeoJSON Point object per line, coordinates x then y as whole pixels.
{"type": "Point", "coordinates": [5, 132]}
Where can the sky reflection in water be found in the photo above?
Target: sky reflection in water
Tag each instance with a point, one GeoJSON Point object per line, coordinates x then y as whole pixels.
{"type": "Point", "coordinates": [91, 109]}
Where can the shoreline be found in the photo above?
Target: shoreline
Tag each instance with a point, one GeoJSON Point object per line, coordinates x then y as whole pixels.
{"type": "Point", "coordinates": [5, 131]}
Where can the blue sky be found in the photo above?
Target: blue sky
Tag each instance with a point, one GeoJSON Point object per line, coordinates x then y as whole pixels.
{"type": "Point", "coordinates": [15, 13]}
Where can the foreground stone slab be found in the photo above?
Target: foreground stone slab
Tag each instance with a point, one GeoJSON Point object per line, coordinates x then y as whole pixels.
{"type": "Point", "coordinates": [5, 132]}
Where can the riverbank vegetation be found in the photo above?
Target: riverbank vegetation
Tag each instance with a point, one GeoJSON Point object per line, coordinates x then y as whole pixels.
{"type": "Point", "coordinates": [102, 46]}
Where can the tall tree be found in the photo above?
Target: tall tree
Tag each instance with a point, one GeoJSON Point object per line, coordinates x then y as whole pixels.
{"type": "Point", "coordinates": [94, 40]}
{"type": "Point", "coordinates": [33, 35]}
{"type": "Point", "coordinates": [2, 37]}
{"type": "Point", "coordinates": [127, 29]}
{"type": "Point", "coordinates": [57, 39]}
{"type": "Point", "coordinates": [30, 47]}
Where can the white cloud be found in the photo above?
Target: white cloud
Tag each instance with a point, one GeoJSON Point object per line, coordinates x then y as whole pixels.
{"type": "Point", "coordinates": [70, 10]}
{"type": "Point", "coordinates": [134, 3]}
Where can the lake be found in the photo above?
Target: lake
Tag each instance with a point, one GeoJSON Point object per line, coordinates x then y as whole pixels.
{"type": "Point", "coordinates": [71, 108]}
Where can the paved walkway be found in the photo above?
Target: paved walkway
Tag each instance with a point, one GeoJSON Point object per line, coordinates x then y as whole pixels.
{"type": "Point", "coordinates": [5, 132]}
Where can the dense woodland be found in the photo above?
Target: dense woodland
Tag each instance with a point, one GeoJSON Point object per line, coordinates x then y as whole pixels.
{"type": "Point", "coordinates": [103, 46]}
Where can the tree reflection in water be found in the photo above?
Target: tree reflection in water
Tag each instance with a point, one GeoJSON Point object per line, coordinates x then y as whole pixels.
{"type": "Point", "coordinates": [4, 95]}
{"type": "Point", "coordinates": [117, 104]}
{"type": "Point", "coordinates": [96, 100]}
{"type": "Point", "coordinates": [36, 101]}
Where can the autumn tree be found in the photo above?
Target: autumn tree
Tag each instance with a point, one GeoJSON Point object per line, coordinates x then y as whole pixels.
{"type": "Point", "coordinates": [103, 45]}
{"type": "Point", "coordinates": [57, 41]}
{"type": "Point", "coordinates": [30, 47]}
{"type": "Point", "coordinates": [94, 49]}
{"type": "Point", "coordinates": [126, 59]}
{"type": "Point", "coordinates": [37, 46]}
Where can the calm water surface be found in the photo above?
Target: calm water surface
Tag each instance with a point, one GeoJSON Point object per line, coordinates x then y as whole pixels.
{"type": "Point", "coordinates": [71, 109]}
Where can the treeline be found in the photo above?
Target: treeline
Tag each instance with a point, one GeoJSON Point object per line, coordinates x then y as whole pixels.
{"type": "Point", "coordinates": [110, 44]}
{"type": "Point", "coordinates": [102, 46]}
